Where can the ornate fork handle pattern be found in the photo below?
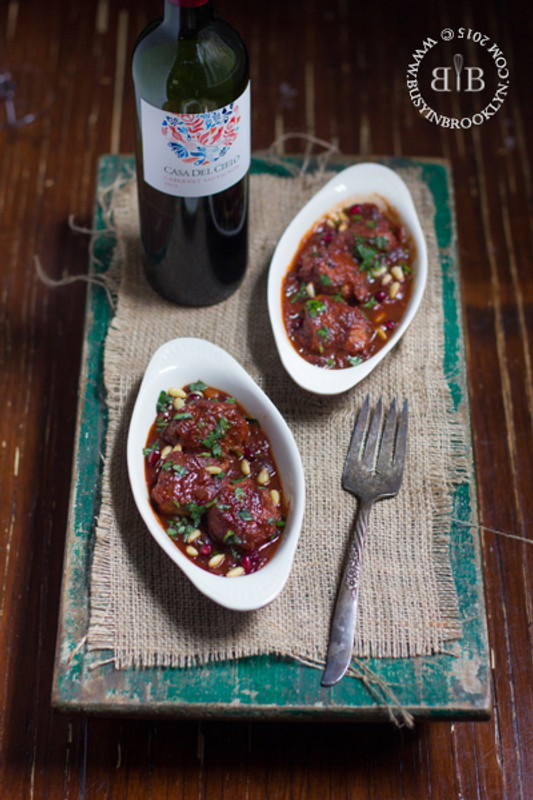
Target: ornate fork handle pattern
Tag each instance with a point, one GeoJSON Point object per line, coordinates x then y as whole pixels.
{"type": "Point", "coordinates": [345, 615]}
{"type": "Point", "coordinates": [373, 471]}
{"type": "Point", "coordinates": [355, 558]}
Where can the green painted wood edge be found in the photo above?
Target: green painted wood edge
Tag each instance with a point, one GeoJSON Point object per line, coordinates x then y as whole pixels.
{"type": "Point", "coordinates": [444, 686]}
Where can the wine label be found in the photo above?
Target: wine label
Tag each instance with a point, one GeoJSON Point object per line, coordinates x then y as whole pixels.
{"type": "Point", "coordinates": [194, 155]}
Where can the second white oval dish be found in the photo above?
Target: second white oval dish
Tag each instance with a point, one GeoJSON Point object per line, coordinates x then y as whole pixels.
{"type": "Point", "coordinates": [366, 182]}
{"type": "Point", "coordinates": [178, 363]}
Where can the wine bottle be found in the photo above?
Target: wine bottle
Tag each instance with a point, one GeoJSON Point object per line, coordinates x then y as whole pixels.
{"type": "Point", "coordinates": [192, 91]}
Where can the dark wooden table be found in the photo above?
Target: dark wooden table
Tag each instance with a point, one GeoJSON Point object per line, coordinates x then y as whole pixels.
{"type": "Point", "coordinates": [336, 71]}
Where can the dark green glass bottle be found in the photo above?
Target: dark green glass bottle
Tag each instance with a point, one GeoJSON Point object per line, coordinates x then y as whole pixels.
{"type": "Point", "coordinates": [191, 78]}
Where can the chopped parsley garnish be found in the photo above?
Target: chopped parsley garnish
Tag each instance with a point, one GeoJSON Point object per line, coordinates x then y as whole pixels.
{"type": "Point", "coordinates": [213, 440]}
{"type": "Point", "coordinates": [315, 307]}
{"type": "Point", "coordinates": [245, 515]}
{"type": "Point", "coordinates": [325, 280]}
{"type": "Point", "coordinates": [370, 303]}
{"type": "Point", "coordinates": [199, 386]}
{"type": "Point", "coordinates": [183, 526]}
{"type": "Point", "coordinates": [239, 492]}
{"type": "Point", "coordinates": [381, 242]}
{"type": "Point", "coordinates": [366, 255]}
{"type": "Point", "coordinates": [179, 469]}
{"type": "Point", "coordinates": [371, 223]}
{"type": "Point", "coordinates": [299, 294]}
{"type": "Point", "coordinates": [163, 401]}
{"type": "Point", "coordinates": [196, 512]}
{"type": "Point", "coordinates": [354, 360]}
{"type": "Point", "coordinates": [147, 451]}
{"type": "Point", "coordinates": [183, 415]}
{"type": "Point", "coordinates": [324, 334]}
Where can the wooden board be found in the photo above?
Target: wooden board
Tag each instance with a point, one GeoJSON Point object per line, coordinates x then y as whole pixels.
{"type": "Point", "coordinates": [451, 685]}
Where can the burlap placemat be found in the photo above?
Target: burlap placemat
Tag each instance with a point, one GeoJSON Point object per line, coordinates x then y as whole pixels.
{"type": "Point", "coordinates": [145, 611]}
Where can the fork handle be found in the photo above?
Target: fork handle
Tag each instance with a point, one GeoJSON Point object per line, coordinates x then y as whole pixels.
{"type": "Point", "coordinates": [342, 634]}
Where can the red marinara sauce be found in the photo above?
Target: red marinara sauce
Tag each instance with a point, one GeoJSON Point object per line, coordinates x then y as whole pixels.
{"type": "Point", "coordinates": [213, 482]}
{"type": "Point", "coordinates": [348, 286]}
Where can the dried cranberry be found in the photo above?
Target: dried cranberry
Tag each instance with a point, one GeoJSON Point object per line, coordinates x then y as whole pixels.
{"type": "Point", "coordinates": [248, 453]}
{"type": "Point", "coordinates": [206, 550]}
{"type": "Point", "coordinates": [380, 296]}
{"type": "Point", "coordinates": [194, 396]}
{"type": "Point", "coordinates": [355, 210]}
{"type": "Point", "coordinates": [297, 323]}
{"type": "Point", "coordinates": [389, 325]}
{"type": "Point", "coordinates": [250, 561]}
{"type": "Point", "coordinates": [326, 239]}
{"type": "Point", "coordinates": [153, 458]}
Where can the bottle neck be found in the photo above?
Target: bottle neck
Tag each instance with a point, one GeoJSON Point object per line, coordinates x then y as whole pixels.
{"type": "Point", "coordinates": [188, 15]}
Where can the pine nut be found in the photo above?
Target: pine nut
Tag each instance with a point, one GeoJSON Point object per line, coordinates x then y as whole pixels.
{"type": "Point", "coordinates": [165, 451]}
{"type": "Point", "coordinates": [378, 271]}
{"type": "Point", "coordinates": [178, 403]}
{"type": "Point", "coordinates": [397, 273]}
{"type": "Point", "coordinates": [343, 227]}
{"type": "Point", "coordinates": [343, 216]}
{"type": "Point", "coordinates": [394, 289]}
{"type": "Point", "coordinates": [213, 469]}
{"type": "Point", "coordinates": [191, 551]}
{"type": "Point", "coordinates": [381, 333]}
{"type": "Point", "coordinates": [235, 572]}
{"type": "Point", "coordinates": [274, 496]}
{"type": "Point", "coordinates": [330, 222]}
{"type": "Point", "coordinates": [245, 466]}
{"type": "Point", "coordinates": [193, 535]}
{"type": "Point", "coordinates": [215, 560]}
{"type": "Point", "coordinates": [386, 279]}
{"type": "Point", "coordinates": [263, 478]}
{"type": "Point", "coordinates": [177, 448]}
{"type": "Point", "coordinates": [310, 289]}
{"type": "Point", "coordinates": [175, 391]}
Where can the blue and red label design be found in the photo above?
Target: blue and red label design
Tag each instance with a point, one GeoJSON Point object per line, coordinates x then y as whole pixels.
{"type": "Point", "coordinates": [192, 155]}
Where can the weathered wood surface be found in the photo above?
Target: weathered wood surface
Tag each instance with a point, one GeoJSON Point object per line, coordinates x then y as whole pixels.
{"type": "Point", "coordinates": [336, 71]}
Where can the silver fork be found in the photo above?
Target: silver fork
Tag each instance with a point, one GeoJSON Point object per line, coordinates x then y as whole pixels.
{"type": "Point", "coordinates": [373, 471]}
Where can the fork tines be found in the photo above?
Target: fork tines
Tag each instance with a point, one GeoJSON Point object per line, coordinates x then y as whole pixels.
{"type": "Point", "coordinates": [377, 447]}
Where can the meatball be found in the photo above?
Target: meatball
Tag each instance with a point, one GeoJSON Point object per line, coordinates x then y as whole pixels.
{"type": "Point", "coordinates": [334, 272]}
{"type": "Point", "coordinates": [207, 425]}
{"type": "Point", "coordinates": [380, 234]}
{"type": "Point", "coordinates": [183, 479]}
{"type": "Point", "coordinates": [243, 516]}
{"type": "Point", "coordinates": [329, 324]}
